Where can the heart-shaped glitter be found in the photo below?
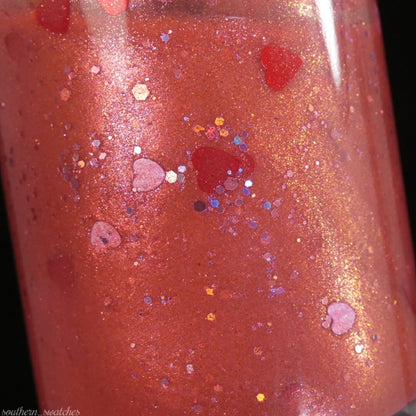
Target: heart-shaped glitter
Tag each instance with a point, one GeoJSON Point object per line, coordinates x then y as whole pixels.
{"type": "Point", "coordinates": [53, 15]}
{"type": "Point", "coordinates": [114, 7]}
{"type": "Point", "coordinates": [104, 236]}
{"type": "Point", "coordinates": [281, 65]}
{"type": "Point", "coordinates": [214, 166]}
{"type": "Point", "coordinates": [148, 175]}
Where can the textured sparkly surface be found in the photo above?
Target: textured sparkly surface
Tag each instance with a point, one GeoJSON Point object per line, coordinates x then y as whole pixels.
{"type": "Point", "coordinates": [206, 244]}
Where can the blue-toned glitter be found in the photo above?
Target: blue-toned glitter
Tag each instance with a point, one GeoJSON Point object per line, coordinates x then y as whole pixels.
{"type": "Point", "coordinates": [246, 191]}
{"type": "Point", "coordinates": [215, 203]}
{"type": "Point", "coordinates": [165, 37]}
{"type": "Point", "coordinates": [148, 300]}
{"type": "Point", "coordinates": [267, 205]}
{"type": "Point", "coordinates": [252, 224]}
{"type": "Point", "coordinates": [237, 140]}
{"type": "Point", "coordinates": [243, 146]}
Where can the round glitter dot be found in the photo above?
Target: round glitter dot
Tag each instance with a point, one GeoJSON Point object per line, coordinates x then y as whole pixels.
{"type": "Point", "coordinates": [215, 203]}
{"type": "Point", "coordinates": [147, 300]}
{"type": "Point", "coordinates": [260, 397]}
{"type": "Point", "coordinates": [248, 183]}
{"type": "Point", "coordinates": [252, 224]}
{"type": "Point", "coordinates": [359, 348]}
{"type": "Point", "coordinates": [238, 202]}
{"type": "Point", "coordinates": [267, 205]}
{"type": "Point", "coordinates": [95, 69]}
{"type": "Point", "coordinates": [237, 140]}
{"type": "Point", "coordinates": [220, 189]}
{"type": "Point", "coordinates": [199, 206]}
{"type": "Point", "coordinates": [230, 184]}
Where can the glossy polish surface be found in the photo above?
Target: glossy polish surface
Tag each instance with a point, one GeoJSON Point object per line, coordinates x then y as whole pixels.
{"type": "Point", "coordinates": [207, 208]}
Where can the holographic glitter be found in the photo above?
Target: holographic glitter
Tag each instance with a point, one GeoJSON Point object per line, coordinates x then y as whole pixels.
{"type": "Point", "coordinates": [140, 92]}
{"type": "Point", "coordinates": [203, 199]}
{"type": "Point", "coordinates": [148, 175]}
{"type": "Point", "coordinates": [104, 236]}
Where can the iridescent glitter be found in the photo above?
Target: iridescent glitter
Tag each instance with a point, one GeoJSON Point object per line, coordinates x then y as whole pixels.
{"type": "Point", "coordinates": [148, 175]}
{"type": "Point", "coordinates": [104, 236]}
{"type": "Point", "coordinates": [207, 206]}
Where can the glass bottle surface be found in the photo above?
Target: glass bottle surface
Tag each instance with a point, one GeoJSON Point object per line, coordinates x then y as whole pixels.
{"type": "Point", "coordinates": [207, 208]}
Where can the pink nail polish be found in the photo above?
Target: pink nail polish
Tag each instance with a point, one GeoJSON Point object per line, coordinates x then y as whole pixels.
{"type": "Point", "coordinates": [207, 208]}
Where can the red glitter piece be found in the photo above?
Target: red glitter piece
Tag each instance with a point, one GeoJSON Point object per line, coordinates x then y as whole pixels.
{"type": "Point", "coordinates": [53, 15]}
{"type": "Point", "coordinates": [214, 166]}
{"type": "Point", "coordinates": [281, 64]}
{"type": "Point", "coordinates": [114, 7]}
{"type": "Point", "coordinates": [212, 133]}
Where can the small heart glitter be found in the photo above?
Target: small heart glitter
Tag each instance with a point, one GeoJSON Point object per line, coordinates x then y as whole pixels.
{"type": "Point", "coordinates": [281, 65]}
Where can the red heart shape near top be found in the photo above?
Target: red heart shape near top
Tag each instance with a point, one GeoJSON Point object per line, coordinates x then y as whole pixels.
{"type": "Point", "coordinates": [53, 15]}
{"type": "Point", "coordinates": [281, 65]}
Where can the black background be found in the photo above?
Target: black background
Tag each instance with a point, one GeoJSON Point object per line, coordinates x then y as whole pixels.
{"type": "Point", "coordinates": [17, 383]}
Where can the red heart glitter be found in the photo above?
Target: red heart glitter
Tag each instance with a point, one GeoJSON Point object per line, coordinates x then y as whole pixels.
{"type": "Point", "coordinates": [281, 64]}
{"type": "Point", "coordinates": [53, 15]}
{"type": "Point", "coordinates": [214, 166]}
{"type": "Point", "coordinates": [114, 7]}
